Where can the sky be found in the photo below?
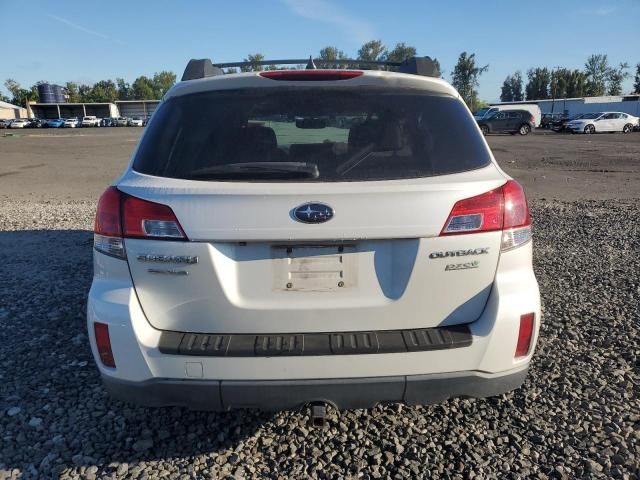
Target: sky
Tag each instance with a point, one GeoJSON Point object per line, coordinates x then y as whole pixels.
{"type": "Point", "coordinates": [88, 40]}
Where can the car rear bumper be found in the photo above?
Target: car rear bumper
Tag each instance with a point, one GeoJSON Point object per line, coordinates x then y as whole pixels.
{"type": "Point", "coordinates": [342, 393]}
{"type": "Point", "coordinates": [147, 373]}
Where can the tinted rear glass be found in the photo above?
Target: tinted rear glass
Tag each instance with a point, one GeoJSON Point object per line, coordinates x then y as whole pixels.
{"type": "Point", "coordinates": [310, 134]}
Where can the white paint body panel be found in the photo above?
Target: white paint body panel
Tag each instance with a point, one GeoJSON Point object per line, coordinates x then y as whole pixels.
{"type": "Point", "coordinates": [112, 300]}
{"type": "Point", "coordinates": [390, 228]}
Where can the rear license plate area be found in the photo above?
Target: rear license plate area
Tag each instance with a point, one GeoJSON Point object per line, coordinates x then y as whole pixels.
{"type": "Point", "coordinates": [314, 267]}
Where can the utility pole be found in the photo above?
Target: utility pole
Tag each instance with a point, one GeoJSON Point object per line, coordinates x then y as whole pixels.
{"type": "Point", "coordinates": [553, 88]}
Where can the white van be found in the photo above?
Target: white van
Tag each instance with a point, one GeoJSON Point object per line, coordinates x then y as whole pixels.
{"type": "Point", "coordinates": [488, 111]}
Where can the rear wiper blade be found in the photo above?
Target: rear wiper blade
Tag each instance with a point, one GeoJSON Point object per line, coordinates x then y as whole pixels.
{"type": "Point", "coordinates": [262, 169]}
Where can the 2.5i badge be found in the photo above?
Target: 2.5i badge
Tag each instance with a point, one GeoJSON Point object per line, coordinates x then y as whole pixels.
{"type": "Point", "coordinates": [462, 266]}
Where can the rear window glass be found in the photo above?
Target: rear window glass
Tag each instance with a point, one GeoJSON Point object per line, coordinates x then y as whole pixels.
{"type": "Point", "coordinates": [310, 134]}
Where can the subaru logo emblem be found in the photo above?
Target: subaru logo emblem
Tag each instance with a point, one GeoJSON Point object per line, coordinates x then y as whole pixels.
{"type": "Point", "coordinates": [312, 212]}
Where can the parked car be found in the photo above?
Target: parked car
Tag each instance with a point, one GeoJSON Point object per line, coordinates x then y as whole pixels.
{"type": "Point", "coordinates": [136, 122]}
{"type": "Point", "coordinates": [108, 122]}
{"type": "Point", "coordinates": [55, 123]}
{"type": "Point", "coordinates": [19, 123]}
{"type": "Point", "coordinates": [5, 123]}
{"type": "Point", "coordinates": [122, 122]}
{"type": "Point", "coordinates": [241, 263]}
{"type": "Point", "coordinates": [508, 121]}
{"type": "Point", "coordinates": [71, 123]}
{"type": "Point", "coordinates": [90, 121]}
{"type": "Point", "coordinates": [487, 112]}
{"type": "Point", "coordinates": [560, 125]}
{"type": "Point", "coordinates": [549, 118]}
{"type": "Point", "coordinates": [603, 122]}
{"type": "Point", "coordinates": [37, 122]}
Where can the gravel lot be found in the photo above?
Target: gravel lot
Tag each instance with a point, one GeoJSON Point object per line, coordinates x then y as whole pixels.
{"type": "Point", "coordinates": [578, 415]}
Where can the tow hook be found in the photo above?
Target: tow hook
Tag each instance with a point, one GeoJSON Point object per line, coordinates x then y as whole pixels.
{"type": "Point", "coordinates": [318, 415]}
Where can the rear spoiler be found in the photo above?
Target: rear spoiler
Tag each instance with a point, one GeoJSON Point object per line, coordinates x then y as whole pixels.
{"type": "Point", "coordinates": [203, 68]}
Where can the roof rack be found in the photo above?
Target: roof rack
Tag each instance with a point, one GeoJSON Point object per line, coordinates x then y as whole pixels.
{"type": "Point", "coordinates": [203, 68]}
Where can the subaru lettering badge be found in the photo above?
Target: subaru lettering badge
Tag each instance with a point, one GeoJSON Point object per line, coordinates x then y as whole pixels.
{"type": "Point", "coordinates": [312, 212]}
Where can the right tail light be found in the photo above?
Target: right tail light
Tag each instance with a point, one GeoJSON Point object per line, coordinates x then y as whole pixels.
{"type": "Point", "coordinates": [504, 208]}
{"type": "Point", "coordinates": [121, 216]}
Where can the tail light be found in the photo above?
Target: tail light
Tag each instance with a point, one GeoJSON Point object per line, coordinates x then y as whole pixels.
{"type": "Point", "coordinates": [525, 334]}
{"type": "Point", "coordinates": [121, 216]}
{"type": "Point", "coordinates": [504, 208]}
{"type": "Point", "coordinates": [103, 342]}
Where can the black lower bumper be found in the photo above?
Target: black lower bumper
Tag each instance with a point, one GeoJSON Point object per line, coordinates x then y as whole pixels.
{"type": "Point", "coordinates": [292, 394]}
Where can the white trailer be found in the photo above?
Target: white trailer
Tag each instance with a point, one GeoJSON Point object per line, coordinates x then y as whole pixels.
{"type": "Point", "coordinates": [572, 106]}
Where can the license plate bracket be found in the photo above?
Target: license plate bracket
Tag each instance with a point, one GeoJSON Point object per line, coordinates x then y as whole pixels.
{"type": "Point", "coordinates": [314, 267]}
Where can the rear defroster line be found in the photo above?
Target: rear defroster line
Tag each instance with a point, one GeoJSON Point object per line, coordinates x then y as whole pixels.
{"type": "Point", "coordinates": [314, 344]}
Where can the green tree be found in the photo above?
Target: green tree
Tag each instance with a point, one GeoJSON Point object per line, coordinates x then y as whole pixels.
{"type": "Point", "coordinates": [20, 96]}
{"type": "Point", "coordinates": [465, 78]}
{"type": "Point", "coordinates": [400, 53]}
{"type": "Point", "coordinates": [162, 82]}
{"type": "Point", "coordinates": [85, 93]}
{"type": "Point", "coordinates": [373, 51]}
{"type": "Point", "coordinates": [516, 87]}
{"type": "Point", "coordinates": [71, 90]}
{"type": "Point", "coordinates": [538, 85]}
{"type": "Point", "coordinates": [253, 59]}
{"type": "Point", "coordinates": [615, 78]}
{"type": "Point", "coordinates": [636, 80]}
{"type": "Point", "coordinates": [124, 89]}
{"type": "Point", "coordinates": [512, 88]}
{"type": "Point", "coordinates": [12, 86]}
{"type": "Point", "coordinates": [330, 54]}
{"type": "Point", "coordinates": [576, 84]}
{"type": "Point", "coordinates": [231, 70]}
{"type": "Point", "coordinates": [597, 71]}
{"type": "Point", "coordinates": [142, 89]}
{"type": "Point", "coordinates": [558, 83]}
{"type": "Point", "coordinates": [104, 91]}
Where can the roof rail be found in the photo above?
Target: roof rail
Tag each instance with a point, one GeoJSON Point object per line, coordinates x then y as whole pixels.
{"type": "Point", "coordinates": [203, 68]}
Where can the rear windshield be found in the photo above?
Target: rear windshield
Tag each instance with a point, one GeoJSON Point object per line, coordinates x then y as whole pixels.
{"type": "Point", "coordinates": [310, 134]}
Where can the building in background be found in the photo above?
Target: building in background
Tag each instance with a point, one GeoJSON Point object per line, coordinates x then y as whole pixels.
{"type": "Point", "coordinates": [8, 110]}
{"type": "Point", "coordinates": [572, 106]}
{"type": "Point", "coordinates": [121, 108]}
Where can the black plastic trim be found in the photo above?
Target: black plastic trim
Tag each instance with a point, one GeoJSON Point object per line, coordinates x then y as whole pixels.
{"type": "Point", "coordinates": [343, 393]}
{"type": "Point", "coordinates": [314, 344]}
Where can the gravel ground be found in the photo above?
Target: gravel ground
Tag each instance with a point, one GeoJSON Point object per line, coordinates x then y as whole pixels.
{"type": "Point", "coordinates": [578, 415]}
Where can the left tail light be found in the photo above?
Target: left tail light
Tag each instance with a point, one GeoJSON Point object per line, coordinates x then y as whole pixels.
{"type": "Point", "coordinates": [103, 343]}
{"type": "Point", "coordinates": [121, 216]}
{"type": "Point", "coordinates": [503, 208]}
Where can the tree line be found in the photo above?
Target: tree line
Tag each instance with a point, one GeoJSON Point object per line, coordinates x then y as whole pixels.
{"type": "Point", "coordinates": [465, 75]}
{"type": "Point", "coordinates": [143, 88]}
{"type": "Point", "coordinates": [597, 78]}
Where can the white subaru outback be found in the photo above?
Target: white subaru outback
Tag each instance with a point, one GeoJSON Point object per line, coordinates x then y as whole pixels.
{"type": "Point", "coordinates": [293, 237]}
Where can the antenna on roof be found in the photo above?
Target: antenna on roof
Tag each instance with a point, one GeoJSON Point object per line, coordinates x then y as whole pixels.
{"type": "Point", "coordinates": [310, 64]}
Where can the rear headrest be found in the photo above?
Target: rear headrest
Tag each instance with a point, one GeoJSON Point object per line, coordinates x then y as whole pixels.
{"type": "Point", "coordinates": [361, 135]}
{"type": "Point", "coordinates": [384, 136]}
{"type": "Point", "coordinates": [257, 137]}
